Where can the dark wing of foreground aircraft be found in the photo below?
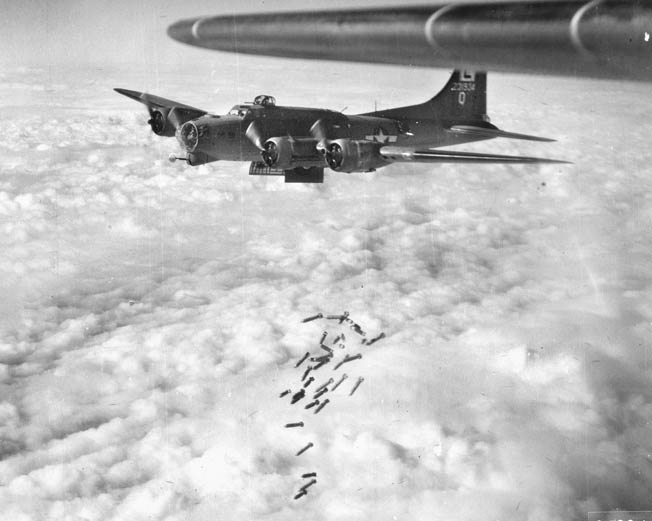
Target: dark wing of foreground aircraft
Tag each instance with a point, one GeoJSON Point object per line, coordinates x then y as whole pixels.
{"type": "Point", "coordinates": [597, 38]}
{"type": "Point", "coordinates": [298, 143]}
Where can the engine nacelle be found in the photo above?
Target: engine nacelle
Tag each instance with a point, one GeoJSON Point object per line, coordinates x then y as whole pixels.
{"type": "Point", "coordinates": [284, 153]}
{"type": "Point", "coordinates": [161, 125]}
{"type": "Point", "coordinates": [200, 135]}
{"type": "Point", "coordinates": [165, 122]}
{"type": "Point", "coordinates": [200, 138]}
{"type": "Point", "coordinates": [349, 155]}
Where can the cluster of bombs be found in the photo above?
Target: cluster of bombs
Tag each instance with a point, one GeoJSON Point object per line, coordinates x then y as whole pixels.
{"type": "Point", "coordinates": [315, 387]}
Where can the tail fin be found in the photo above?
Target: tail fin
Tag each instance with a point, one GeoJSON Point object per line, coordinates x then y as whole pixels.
{"type": "Point", "coordinates": [462, 100]}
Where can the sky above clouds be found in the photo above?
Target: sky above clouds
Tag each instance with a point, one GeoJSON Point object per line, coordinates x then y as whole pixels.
{"type": "Point", "coordinates": [104, 33]}
{"type": "Point", "coordinates": [151, 313]}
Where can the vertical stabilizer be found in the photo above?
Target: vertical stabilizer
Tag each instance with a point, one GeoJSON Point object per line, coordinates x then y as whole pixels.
{"type": "Point", "coordinates": [462, 100]}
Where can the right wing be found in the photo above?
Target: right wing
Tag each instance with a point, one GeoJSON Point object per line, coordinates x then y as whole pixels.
{"type": "Point", "coordinates": [406, 154]}
{"type": "Point", "coordinates": [153, 101]}
{"type": "Point", "coordinates": [165, 115]}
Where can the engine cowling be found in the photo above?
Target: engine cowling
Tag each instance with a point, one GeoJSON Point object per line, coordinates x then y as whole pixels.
{"type": "Point", "coordinates": [160, 123]}
{"type": "Point", "coordinates": [349, 155]}
{"type": "Point", "coordinates": [285, 152]}
{"type": "Point", "coordinates": [198, 138]}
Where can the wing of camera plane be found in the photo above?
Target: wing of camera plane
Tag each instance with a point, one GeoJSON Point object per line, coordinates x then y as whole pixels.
{"type": "Point", "coordinates": [429, 155]}
{"type": "Point", "coordinates": [596, 38]}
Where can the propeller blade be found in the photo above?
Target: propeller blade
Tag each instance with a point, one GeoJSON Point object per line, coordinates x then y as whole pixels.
{"type": "Point", "coordinates": [319, 130]}
{"type": "Point", "coordinates": [255, 135]}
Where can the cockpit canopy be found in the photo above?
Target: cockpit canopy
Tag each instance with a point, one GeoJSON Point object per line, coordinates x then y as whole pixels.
{"type": "Point", "coordinates": [240, 110]}
{"type": "Point", "coordinates": [261, 101]}
{"type": "Point", "coordinates": [265, 100]}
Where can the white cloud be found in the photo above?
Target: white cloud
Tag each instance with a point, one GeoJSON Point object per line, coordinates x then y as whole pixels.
{"type": "Point", "coordinates": [152, 315]}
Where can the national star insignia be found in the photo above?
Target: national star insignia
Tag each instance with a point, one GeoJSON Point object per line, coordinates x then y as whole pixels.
{"type": "Point", "coordinates": [381, 137]}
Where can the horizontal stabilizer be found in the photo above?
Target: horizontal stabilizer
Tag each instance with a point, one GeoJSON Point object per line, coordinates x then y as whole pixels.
{"type": "Point", "coordinates": [488, 133]}
{"type": "Point", "coordinates": [447, 156]}
{"type": "Point", "coordinates": [157, 102]}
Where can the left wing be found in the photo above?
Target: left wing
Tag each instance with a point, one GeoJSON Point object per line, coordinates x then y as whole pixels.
{"type": "Point", "coordinates": [428, 155]}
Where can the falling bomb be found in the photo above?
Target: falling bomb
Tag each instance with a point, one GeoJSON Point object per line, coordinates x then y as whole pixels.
{"type": "Point", "coordinates": [314, 317]}
{"type": "Point", "coordinates": [357, 329]}
{"type": "Point", "coordinates": [323, 404]}
{"type": "Point", "coordinates": [308, 485]}
{"type": "Point", "coordinates": [324, 385]}
{"type": "Point", "coordinates": [326, 357]}
{"type": "Point", "coordinates": [298, 396]}
{"type": "Point", "coordinates": [311, 444]}
{"type": "Point", "coordinates": [347, 358]}
{"type": "Point", "coordinates": [357, 384]}
{"type": "Point", "coordinates": [302, 360]}
{"type": "Point", "coordinates": [322, 363]}
{"type": "Point", "coordinates": [374, 340]}
{"type": "Point", "coordinates": [344, 377]}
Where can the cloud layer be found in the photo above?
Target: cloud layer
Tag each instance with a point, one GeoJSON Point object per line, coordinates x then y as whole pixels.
{"type": "Point", "coordinates": [152, 314]}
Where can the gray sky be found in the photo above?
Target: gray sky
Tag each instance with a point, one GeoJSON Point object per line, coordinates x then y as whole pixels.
{"type": "Point", "coordinates": [100, 32]}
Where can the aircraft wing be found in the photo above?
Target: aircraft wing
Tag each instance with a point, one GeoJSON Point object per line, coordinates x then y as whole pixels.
{"type": "Point", "coordinates": [429, 155]}
{"type": "Point", "coordinates": [487, 133]}
{"type": "Point", "coordinates": [597, 38]}
{"type": "Point", "coordinates": [166, 115]}
{"type": "Point", "coordinates": [157, 102]}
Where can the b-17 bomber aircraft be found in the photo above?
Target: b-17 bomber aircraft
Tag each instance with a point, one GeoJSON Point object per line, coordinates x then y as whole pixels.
{"type": "Point", "coordinates": [299, 143]}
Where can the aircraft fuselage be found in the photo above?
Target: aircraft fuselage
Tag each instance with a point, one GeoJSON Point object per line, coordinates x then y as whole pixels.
{"type": "Point", "coordinates": [226, 137]}
{"type": "Point", "coordinates": [299, 143]}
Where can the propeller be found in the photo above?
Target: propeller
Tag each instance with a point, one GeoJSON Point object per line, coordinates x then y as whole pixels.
{"type": "Point", "coordinates": [270, 154]}
{"type": "Point", "coordinates": [334, 155]}
{"type": "Point", "coordinates": [157, 121]}
{"type": "Point", "coordinates": [255, 135]}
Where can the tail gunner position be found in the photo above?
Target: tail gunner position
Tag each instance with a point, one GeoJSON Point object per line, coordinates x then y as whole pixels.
{"type": "Point", "coordinates": [298, 143]}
